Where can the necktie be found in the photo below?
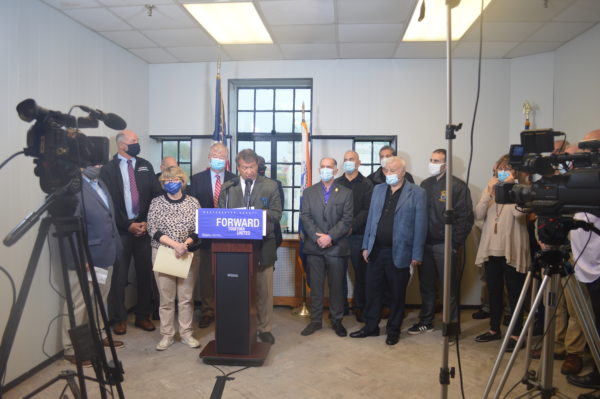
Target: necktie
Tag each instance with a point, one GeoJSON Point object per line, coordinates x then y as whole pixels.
{"type": "Point", "coordinates": [247, 193]}
{"type": "Point", "coordinates": [135, 196]}
{"type": "Point", "coordinates": [217, 191]}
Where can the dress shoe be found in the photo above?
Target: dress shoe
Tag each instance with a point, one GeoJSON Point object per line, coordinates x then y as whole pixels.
{"type": "Point", "coordinates": [392, 338]}
{"type": "Point", "coordinates": [266, 337]}
{"type": "Point", "coordinates": [311, 328]}
{"type": "Point", "coordinates": [71, 359]}
{"type": "Point", "coordinates": [589, 381]}
{"type": "Point", "coordinates": [572, 365]}
{"type": "Point", "coordinates": [116, 344]}
{"type": "Point", "coordinates": [488, 336]}
{"type": "Point", "coordinates": [120, 328]}
{"type": "Point", "coordinates": [205, 321]}
{"type": "Point", "coordinates": [144, 324]}
{"type": "Point", "coordinates": [590, 395]}
{"type": "Point", "coordinates": [363, 333]}
{"type": "Point", "coordinates": [480, 315]}
{"type": "Point", "coordinates": [537, 353]}
{"type": "Point", "coordinates": [339, 329]}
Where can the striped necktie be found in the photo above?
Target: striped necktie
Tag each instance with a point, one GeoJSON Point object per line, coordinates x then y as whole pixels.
{"type": "Point", "coordinates": [135, 195]}
{"type": "Point", "coordinates": [217, 191]}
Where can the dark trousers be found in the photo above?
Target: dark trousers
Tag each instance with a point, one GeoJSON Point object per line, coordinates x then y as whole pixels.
{"type": "Point", "coordinates": [498, 273]}
{"type": "Point", "coordinates": [139, 248]}
{"type": "Point", "coordinates": [360, 268]}
{"type": "Point", "coordinates": [594, 291]}
{"type": "Point", "coordinates": [379, 270]}
{"type": "Point", "coordinates": [332, 267]}
{"type": "Point", "coordinates": [431, 272]}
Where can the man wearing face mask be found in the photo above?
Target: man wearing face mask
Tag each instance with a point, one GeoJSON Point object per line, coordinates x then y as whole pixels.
{"type": "Point", "coordinates": [206, 187]}
{"type": "Point", "coordinates": [251, 190]}
{"type": "Point", "coordinates": [378, 176]}
{"type": "Point", "coordinates": [326, 215]}
{"type": "Point", "coordinates": [132, 184]}
{"type": "Point", "coordinates": [393, 244]}
{"type": "Point", "coordinates": [431, 272]}
{"type": "Point", "coordinates": [362, 189]}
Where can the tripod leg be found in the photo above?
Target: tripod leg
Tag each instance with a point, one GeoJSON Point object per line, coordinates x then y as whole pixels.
{"type": "Point", "coordinates": [547, 358]}
{"type": "Point", "coordinates": [586, 318]}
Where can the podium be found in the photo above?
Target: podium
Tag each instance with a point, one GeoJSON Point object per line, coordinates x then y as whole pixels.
{"type": "Point", "coordinates": [234, 263]}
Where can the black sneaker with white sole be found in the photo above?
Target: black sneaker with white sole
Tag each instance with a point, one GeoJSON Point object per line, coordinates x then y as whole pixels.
{"type": "Point", "coordinates": [419, 328]}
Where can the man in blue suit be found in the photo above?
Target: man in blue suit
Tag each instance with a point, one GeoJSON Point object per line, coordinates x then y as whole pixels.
{"type": "Point", "coordinates": [393, 244]}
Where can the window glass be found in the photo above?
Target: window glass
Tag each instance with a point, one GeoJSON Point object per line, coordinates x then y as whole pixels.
{"type": "Point", "coordinates": [264, 99]}
{"type": "Point", "coordinates": [284, 99]}
{"type": "Point", "coordinates": [246, 99]}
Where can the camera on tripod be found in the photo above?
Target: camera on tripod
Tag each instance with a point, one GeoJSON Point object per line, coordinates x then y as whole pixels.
{"type": "Point", "coordinates": [576, 190]}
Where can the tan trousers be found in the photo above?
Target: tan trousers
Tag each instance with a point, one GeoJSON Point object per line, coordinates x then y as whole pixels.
{"type": "Point", "coordinates": [569, 335]}
{"type": "Point", "coordinates": [79, 310]}
{"type": "Point", "coordinates": [264, 299]}
{"type": "Point", "coordinates": [204, 290]}
{"type": "Point", "coordinates": [169, 288]}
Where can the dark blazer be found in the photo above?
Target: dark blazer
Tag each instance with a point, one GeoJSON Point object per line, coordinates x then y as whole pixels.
{"type": "Point", "coordinates": [201, 187]}
{"type": "Point", "coordinates": [333, 218]}
{"type": "Point", "coordinates": [147, 185]}
{"type": "Point", "coordinates": [265, 195]}
{"type": "Point", "coordinates": [410, 223]}
{"type": "Point", "coordinates": [103, 237]}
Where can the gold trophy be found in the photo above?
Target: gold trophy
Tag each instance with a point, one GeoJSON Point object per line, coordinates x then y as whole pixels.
{"type": "Point", "coordinates": [526, 111]}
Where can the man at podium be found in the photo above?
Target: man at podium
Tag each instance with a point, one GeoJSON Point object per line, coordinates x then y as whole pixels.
{"type": "Point", "coordinates": [257, 192]}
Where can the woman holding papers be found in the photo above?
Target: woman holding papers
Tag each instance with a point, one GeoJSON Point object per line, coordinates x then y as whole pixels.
{"type": "Point", "coordinates": [171, 224]}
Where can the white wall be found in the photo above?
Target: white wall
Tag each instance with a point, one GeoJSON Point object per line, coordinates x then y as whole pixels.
{"type": "Point", "coordinates": [48, 57]}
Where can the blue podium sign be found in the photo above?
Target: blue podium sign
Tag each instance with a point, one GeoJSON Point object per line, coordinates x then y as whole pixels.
{"type": "Point", "coordinates": [218, 223]}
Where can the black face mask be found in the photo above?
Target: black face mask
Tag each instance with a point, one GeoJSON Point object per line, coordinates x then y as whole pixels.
{"type": "Point", "coordinates": [133, 149]}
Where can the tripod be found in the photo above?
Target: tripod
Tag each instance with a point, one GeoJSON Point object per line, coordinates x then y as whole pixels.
{"type": "Point", "coordinates": [86, 339]}
{"type": "Point", "coordinates": [552, 262]}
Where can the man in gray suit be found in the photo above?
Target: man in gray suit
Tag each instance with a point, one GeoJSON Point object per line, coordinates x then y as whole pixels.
{"type": "Point", "coordinates": [253, 191]}
{"type": "Point", "coordinates": [326, 214]}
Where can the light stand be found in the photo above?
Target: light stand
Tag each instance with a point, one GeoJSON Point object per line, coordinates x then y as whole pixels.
{"type": "Point", "coordinates": [450, 329]}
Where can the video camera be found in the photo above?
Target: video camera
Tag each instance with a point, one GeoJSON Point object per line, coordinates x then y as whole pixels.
{"type": "Point", "coordinates": [552, 194]}
{"type": "Point", "coordinates": [59, 147]}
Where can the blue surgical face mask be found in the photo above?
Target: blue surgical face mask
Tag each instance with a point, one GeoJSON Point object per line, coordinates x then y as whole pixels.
{"type": "Point", "coordinates": [217, 163]}
{"type": "Point", "coordinates": [392, 180]}
{"type": "Point", "coordinates": [133, 149]}
{"type": "Point", "coordinates": [503, 175]}
{"type": "Point", "coordinates": [172, 187]}
{"type": "Point", "coordinates": [326, 174]}
{"type": "Point", "coordinates": [349, 166]}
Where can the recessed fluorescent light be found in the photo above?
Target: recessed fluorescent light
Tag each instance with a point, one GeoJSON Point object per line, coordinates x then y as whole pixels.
{"type": "Point", "coordinates": [231, 23]}
{"type": "Point", "coordinates": [433, 27]}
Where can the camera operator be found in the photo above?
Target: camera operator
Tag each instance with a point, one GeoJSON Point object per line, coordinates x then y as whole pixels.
{"type": "Point", "coordinates": [586, 251]}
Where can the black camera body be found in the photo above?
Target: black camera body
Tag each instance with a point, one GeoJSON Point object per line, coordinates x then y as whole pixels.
{"type": "Point", "coordinates": [576, 190]}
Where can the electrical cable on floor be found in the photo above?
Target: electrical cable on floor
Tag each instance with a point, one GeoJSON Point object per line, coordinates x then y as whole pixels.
{"type": "Point", "coordinates": [48, 332]}
{"type": "Point", "coordinates": [219, 386]}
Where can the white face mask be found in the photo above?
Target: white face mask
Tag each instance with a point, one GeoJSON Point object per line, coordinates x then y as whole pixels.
{"type": "Point", "coordinates": [435, 168]}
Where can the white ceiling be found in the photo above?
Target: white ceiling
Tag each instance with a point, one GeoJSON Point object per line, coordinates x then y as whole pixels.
{"type": "Point", "coordinates": [329, 29]}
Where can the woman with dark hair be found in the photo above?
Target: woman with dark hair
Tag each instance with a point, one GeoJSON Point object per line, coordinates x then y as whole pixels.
{"type": "Point", "coordinates": [503, 251]}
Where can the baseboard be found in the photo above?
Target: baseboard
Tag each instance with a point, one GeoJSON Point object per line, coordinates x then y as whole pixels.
{"type": "Point", "coordinates": [11, 384]}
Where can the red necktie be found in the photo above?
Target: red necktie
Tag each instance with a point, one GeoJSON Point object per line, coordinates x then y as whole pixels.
{"type": "Point", "coordinates": [217, 191]}
{"type": "Point", "coordinates": [135, 196]}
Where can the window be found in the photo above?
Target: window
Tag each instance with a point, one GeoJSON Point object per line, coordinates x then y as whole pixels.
{"type": "Point", "coordinates": [266, 117]}
{"type": "Point", "coordinates": [368, 152]}
{"type": "Point", "coordinates": [181, 150]}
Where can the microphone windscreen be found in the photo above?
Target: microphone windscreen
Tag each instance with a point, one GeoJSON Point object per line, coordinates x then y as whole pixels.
{"type": "Point", "coordinates": [115, 122]}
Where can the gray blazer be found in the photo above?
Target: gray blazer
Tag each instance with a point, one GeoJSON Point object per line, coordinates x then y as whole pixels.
{"type": "Point", "coordinates": [265, 195]}
{"type": "Point", "coordinates": [333, 218]}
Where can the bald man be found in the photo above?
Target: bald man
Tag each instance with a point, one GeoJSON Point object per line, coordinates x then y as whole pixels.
{"type": "Point", "coordinates": [132, 184]}
{"type": "Point", "coordinates": [166, 163]}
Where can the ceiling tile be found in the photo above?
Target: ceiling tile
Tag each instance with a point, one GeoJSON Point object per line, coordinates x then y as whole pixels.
{"type": "Point", "coordinates": [529, 48]}
{"type": "Point", "coordinates": [421, 50]}
{"type": "Point", "coordinates": [367, 50]}
{"type": "Point", "coordinates": [180, 37]}
{"type": "Point", "coordinates": [489, 49]}
{"type": "Point", "coordinates": [309, 51]}
{"type": "Point", "coordinates": [370, 33]}
{"type": "Point", "coordinates": [374, 11]}
{"type": "Point", "coordinates": [581, 11]}
{"type": "Point", "coordinates": [297, 12]}
{"type": "Point", "coordinates": [559, 31]}
{"type": "Point", "coordinates": [163, 17]}
{"type": "Point", "coordinates": [66, 4]}
{"type": "Point", "coordinates": [524, 10]}
{"type": "Point", "coordinates": [243, 52]}
{"type": "Point", "coordinates": [112, 3]}
{"type": "Point", "coordinates": [502, 31]}
{"type": "Point", "coordinates": [129, 39]}
{"type": "Point", "coordinates": [197, 54]}
{"type": "Point", "coordinates": [97, 19]}
{"type": "Point", "coordinates": [303, 33]}
{"type": "Point", "coordinates": [154, 55]}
